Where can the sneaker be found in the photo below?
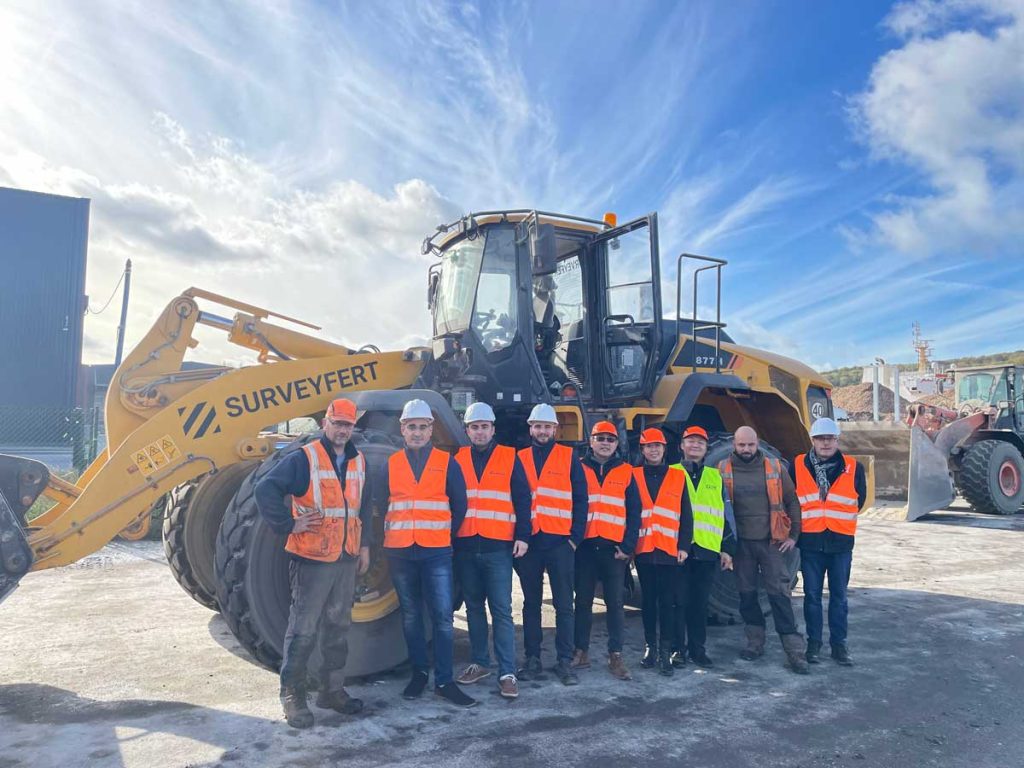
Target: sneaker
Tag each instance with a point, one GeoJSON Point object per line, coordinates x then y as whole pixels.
{"type": "Point", "coordinates": [813, 649]}
{"type": "Point", "coordinates": [841, 655]}
{"type": "Point", "coordinates": [532, 669]}
{"type": "Point", "coordinates": [678, 659]}
{"type": "Point", "coordinates": [618, 667]}
{"type": "Point", "coordinates": [565, 674]}
{"type": "Point", "coordinates": [416, 685]}
{"type": "Point", "coordinates": [665, 664]}
{"type": "Point", "coordinates": [451, 692]}
{"type": "Point", "coordinates": [649, 659]}
{"type": "Point", "coordinates": [296, 711]}
{"type": "Point", "coordinates": [509, 686]}
{"type": "Point", "coordinates": [580, 660]}
{"type": "Point", "coordinates": [339, 701]}
{"type": "Point", "coordinates": [701, 659]}
{"type": "Point", "coordinates": [473, 674]}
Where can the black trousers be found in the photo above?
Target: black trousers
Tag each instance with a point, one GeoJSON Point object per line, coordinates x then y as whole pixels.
{"type": "Point", "coordinates": [692, 620]}
{"type": "Point", "coordinates": [559, 562]}
{"type": "Point", "coordinates": [662, 586]}
{"type": "Point", "coordinates": [595, 562]}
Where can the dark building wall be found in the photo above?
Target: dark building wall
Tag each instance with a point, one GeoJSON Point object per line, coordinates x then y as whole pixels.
{"type": "Point", "coordinates": [43, 242]}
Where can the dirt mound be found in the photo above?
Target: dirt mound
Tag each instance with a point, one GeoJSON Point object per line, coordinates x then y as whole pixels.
{"type": "Point", "coordinates": [944, 399]}
{"type": "Point", "coordinates": [856, 401]}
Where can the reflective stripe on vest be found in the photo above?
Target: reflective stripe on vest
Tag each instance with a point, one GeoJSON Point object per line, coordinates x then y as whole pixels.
{"type": "Point", "coordinates": [659, 521]}
{"type": "Point", "coordinates": [838, 512]}
{"type": "Point", "coordinates": [606, 512]}
{"type": "Point", "coordinates": [708, 508]}
{"type": "Point", "coordinates": [418, 511]}
{"type": "Point", "coordinates": [489, 512]}
{"type": "Point", "coordinates": [551, 510]}
{"type": "Point", "coordinates": [338, 507]}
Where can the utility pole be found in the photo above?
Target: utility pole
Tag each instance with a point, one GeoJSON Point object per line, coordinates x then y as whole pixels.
{"type": "Point", "coordinates": [124, 312]}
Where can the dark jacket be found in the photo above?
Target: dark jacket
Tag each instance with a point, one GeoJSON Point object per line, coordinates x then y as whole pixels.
{"type": "Point", "coordinates": [750, 500]}
{"type": "Point", "coordinates": [654, 475]}
{"type": "Point", "coordinates": [521, 503]}
{"type": "Point", "coordinates": [455, 490]}
{"type": "Point", "coordinates": [291, 478]}
{"type": "Point", "coordinates": [580, 501]}
{"type": "Point", "coordinates": [697, 552]}
{"type": "Point", "coordinates": [633, 505]}
{"type": "Point", "coordinates": [830, 541]}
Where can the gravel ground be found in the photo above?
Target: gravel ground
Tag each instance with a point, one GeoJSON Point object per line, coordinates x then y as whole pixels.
{"type": "Point", "coordinates": [109, 663]}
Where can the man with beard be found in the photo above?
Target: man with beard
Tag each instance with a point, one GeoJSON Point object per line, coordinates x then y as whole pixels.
{"type": "Point", "coordinates": [559, 515]}
{"type": "Point", "coordinates": [831, 488]}
{"type": "Point", "coordinates": [759, 488]}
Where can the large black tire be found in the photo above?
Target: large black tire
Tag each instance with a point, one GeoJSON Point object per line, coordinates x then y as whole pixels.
{"type": "Point", "coordinates": [252, 578]}
{"type": "Point", "coordinates": [991, 473]}
{"type": "Point", "coordinates": [192, 520]}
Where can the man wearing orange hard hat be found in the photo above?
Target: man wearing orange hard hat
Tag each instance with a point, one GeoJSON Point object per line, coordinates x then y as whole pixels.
{"type": "Point", "coordinates": [613, 525]}
{"type": "Point", "coordinates": [328, 529]}
{"type": "Point", "coordinates": [666, 530]}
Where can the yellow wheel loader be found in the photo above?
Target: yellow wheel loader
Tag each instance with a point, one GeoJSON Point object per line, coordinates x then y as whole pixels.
{"type": "Point", "coordinates": [527, 307]}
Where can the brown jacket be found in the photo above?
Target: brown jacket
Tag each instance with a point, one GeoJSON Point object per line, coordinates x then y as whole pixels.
{"type": "Point", "coordinates": [750, 500]}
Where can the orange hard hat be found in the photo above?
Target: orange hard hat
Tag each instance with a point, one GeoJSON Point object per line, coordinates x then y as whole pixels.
{"type": "Point", "coordinates": [342, 409]}
{"type": "Point", "coordinates": [652, 436]}
{"type": "Point", "coordinates": [604, 428]}
{"type": "Point", "coordinates": [695, 431]}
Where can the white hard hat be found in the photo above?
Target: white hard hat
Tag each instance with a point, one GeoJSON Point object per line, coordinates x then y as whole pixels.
{"type": "Point", "coordinates": [542, 413]}
{"type": "Point", "coordinates": [416, 409]}
{"type": "Point", "coordinates": [824, 427]}
{"type": "Point", "coordinates": [478, 412]}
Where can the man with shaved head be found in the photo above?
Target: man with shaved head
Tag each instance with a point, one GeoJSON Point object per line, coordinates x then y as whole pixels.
{"type": "Point", "coordinates": [761, 490]}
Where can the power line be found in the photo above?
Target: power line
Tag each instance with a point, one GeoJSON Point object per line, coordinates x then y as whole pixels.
{"type": "Point", "coordinates": [113, 293]}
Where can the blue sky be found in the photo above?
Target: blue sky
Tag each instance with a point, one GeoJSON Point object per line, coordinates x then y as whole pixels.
{"type": "Point", "coordinates": [860, 164]}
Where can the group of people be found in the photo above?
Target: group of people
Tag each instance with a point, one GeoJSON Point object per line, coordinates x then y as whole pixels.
{"type": "Point", "coordinates": [489, 511]}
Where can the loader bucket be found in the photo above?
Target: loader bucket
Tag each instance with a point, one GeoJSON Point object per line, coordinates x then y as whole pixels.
{"type": "Point", "coordinates": [930, 485]}
{"type": "Point", "coordinates": [21, 481]}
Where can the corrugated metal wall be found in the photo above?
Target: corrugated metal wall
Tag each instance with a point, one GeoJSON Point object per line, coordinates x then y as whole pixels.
{"type": "Point", "coordinates": [43, 243]}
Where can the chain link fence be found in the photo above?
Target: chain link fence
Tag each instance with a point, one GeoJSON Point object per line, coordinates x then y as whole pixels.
{"type": "Point", "coordinates": [65, 439]}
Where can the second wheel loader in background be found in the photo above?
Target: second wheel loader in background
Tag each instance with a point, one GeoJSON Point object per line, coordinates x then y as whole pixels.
{"type": "Point", "coordinates": [527, 307]}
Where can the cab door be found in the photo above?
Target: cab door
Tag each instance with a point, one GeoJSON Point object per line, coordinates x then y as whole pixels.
{"type": "Point", "coordinates": [626, 290]}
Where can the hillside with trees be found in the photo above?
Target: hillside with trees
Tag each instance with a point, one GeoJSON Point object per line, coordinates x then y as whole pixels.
{"type": "Point", "coordinates": [844, 377]}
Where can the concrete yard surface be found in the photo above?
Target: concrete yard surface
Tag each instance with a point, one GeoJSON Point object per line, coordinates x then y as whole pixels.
{"type": "Point", "coordinates": [110, 663]}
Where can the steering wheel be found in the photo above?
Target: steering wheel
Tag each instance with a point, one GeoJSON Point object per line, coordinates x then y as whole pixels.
{"type": "Point", "coordinates": [482, 319]}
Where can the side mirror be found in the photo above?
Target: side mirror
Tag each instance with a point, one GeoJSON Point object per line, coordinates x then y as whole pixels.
{"type": "Point", "coordinates": [543, 249]}
{"type": "Point", "coordinates": [433, 279]}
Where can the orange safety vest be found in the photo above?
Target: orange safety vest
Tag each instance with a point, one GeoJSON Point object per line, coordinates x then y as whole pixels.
{"type": "Point", "coordinates": [489, 512]}
{"type": "Point", "coordinates": [772, 473]}
{"type": "Point", "coordinates": [659, 521]}
{"type": "Point", "coordinates": [838, 512]}
{"type": "Point", "coordinates": [606, 513]}
{"type": "Point", "coordinates": [418, 511]}
{"type": "Point", "coordinates": [340, 527]}
{"type": "Point", "coordinates": [551, 511]}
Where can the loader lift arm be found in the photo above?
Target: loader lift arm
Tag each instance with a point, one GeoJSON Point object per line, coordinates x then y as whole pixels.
{"type": "Point", "coordinates": [166, 426]}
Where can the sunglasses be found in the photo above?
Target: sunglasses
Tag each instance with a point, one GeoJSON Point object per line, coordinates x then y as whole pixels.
{"type": "Point", "coordinates": [604, 439]}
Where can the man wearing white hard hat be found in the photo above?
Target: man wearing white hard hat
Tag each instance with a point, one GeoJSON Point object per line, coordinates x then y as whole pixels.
{"type": "Point", "coordinates": [496, 530]}
{"type": "Point", "coordinates": [832, 489]}
{"type": "Point", "coordinates": [559, 520]}
{"type": "Point", "coordinates": [426, 502]}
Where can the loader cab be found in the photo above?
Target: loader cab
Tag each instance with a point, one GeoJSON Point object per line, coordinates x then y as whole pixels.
{"type": "Point", "coordinates": [1000, 389]}
{"type": "Point", "coordinates": [533, 307]}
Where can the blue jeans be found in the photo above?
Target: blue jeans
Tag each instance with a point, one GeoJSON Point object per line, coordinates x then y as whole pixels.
{"type": "Point", "coordinates": [815, 566]}
{"type": "Point", "coordinates": [487, 576]}
{"type": "Point", "coordinates": [426, 581]}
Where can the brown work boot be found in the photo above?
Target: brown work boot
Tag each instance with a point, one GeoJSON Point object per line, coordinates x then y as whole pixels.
{"type": "Point", "coordinates": [580, 660]}
{"type": "Point", "coordinates": [296, 711]}
{"type": "Point", "coordinates": [755, 643]}
{"type": "Point", "coordinates": [339, 701]}
{"type": "Point", "coordinates": [796, 653]}
{"type": "Point", "coordinates": [472, 674]}
{"type": "Point", "coordinates": [618, 667]}
{"type": "Point", "coordinates": [508, 686]}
